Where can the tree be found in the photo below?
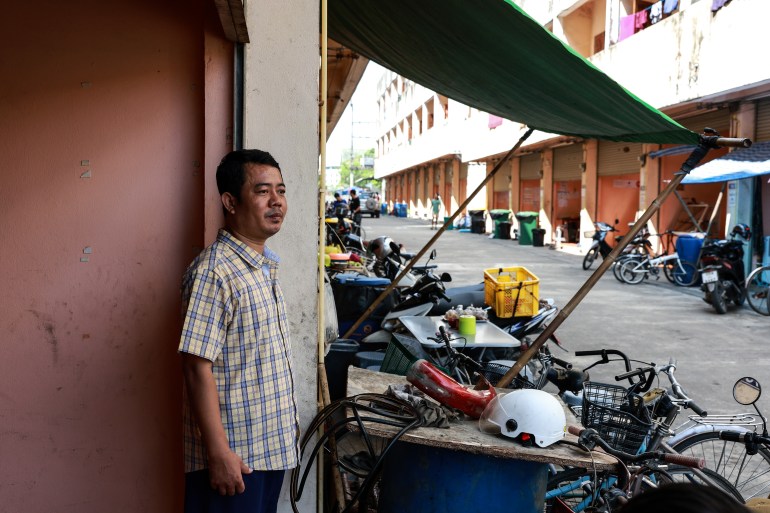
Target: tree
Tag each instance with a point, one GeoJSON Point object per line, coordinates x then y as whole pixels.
{"type": "Point", "coordinates": [361, 165]}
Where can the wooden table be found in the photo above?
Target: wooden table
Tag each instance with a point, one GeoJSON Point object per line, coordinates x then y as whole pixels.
{"type": "Point", "coordinates": [461, 469]}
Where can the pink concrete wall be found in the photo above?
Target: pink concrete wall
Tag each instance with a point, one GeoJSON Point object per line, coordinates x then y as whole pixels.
{"type": "Point", "coordinates": [90, 386]}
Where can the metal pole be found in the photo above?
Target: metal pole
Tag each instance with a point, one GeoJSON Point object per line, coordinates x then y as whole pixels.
{"type": "Point", "coordinates": [430, 243]}
{"type": "Point", "coordinates": [706, 143]}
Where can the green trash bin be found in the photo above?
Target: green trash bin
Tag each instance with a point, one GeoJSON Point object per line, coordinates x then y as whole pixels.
{"type": "Point", "coordinates": [527, 223]}
{"type": "Point", "coordinates": [502, 219]}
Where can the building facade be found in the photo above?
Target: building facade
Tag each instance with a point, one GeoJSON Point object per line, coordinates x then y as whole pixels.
{"type": "Point", "coordinates": [691, 59]}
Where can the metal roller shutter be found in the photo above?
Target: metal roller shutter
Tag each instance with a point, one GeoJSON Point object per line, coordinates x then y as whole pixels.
{"type": "Point", "coordinates": [529, 168]}
{"type": "Point", "coordinates": [502, 180]}
{"type": "Point", "coordinates": [763, 120]}
{"type": "Point", "coordinates": [566, 162]}
{"type": "Point", "coordinates": [719, 120]}
{"type": "Point", "coordinates": [618, 158]}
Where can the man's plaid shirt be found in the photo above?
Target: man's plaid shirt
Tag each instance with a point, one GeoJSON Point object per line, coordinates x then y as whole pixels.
{"type": "Point", "coordinates": [235, 316]}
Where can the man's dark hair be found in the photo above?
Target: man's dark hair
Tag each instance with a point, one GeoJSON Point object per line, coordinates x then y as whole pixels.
{"type": "Point", "coordinates": [231, 172]}
{"type": "Point", "coordinates": [337, 195]}
{"type": "Point", "coordinates": [353, 191]}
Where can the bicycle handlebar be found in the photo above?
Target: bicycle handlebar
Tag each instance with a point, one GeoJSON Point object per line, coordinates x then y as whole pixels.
{"type": "Point", "coordinates": [590, 435]}
{"type": "Point", "coordinates": [678, 391]}
{"type": "Point", "coordinates": [561, 363]}
{"type": "Point", "coordinates": [603, 353]}
{"type": "Point", "coordinates": [455, 354]}
{"type": "Point", "coordinates": [744, 437]}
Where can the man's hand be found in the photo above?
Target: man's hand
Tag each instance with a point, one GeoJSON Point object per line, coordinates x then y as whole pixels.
{"type": "Point", "coordinates": [226, 473]}
{"type": "Point", "coordinates": [226, 468]}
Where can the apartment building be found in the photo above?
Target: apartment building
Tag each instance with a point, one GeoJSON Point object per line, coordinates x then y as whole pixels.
{"type": "Point", "coordinates": [696, 60]}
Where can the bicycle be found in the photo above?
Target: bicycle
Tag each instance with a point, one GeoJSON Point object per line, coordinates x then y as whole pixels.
{"type": "Point", "coordinates": [731, 445]}
{"type": "Point", "coordinates": [758, 290]}
{"type": "Point", "coordinates": [632, 423]}
{"type": "Point", "coordinates": [579, 490]}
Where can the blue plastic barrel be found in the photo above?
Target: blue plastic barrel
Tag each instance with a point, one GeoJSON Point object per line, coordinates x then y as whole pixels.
{"type": "Point", "coordinates": [688, 248]}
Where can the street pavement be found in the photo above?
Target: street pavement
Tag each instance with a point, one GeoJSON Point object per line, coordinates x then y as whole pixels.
{"type": "Point", "coordinates": [652, 321]}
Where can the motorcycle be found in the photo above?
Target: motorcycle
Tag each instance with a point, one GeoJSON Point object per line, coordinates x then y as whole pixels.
{"type": "Point", "coordinates": [599, 245]}
{"type": "Point", "coordinates": [340, 230]}
{"type": "Point", "coordinates": [722, 272]}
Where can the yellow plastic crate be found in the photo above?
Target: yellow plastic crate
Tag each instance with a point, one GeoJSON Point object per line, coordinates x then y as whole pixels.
{"type": "Point", "coordinates": [511, 291]}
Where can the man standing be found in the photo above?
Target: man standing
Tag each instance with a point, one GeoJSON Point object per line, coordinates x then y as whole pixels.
{"type": "Point", "coordinates": [355, 210]}
{"type": "Point", "coordinates": [241, 425]}
{"type": "Point", "coordinates": [436, 206]}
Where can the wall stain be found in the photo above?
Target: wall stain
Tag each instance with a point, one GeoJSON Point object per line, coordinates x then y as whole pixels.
{"type": "Point", "coordinates": [46, 324]}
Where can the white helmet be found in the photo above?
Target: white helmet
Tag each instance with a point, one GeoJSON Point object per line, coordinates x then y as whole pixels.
{"type": "Point", "coordinates": [534, 413]}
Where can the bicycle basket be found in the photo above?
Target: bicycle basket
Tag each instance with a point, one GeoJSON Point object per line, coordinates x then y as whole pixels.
{"type": "Point", "coordinates": [620, 418]}
{"type": "Point", "coordinates": [493, 372]}
{"type": "Point", "coordinates": [398, 358]}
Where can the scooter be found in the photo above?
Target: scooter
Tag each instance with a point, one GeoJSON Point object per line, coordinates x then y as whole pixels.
{"type": "Point", "coordinates": [599, 245]}
{"type": "Point", "coordinates": [425, 290]}
{"type": "Point", "coordinates": [722, 274]}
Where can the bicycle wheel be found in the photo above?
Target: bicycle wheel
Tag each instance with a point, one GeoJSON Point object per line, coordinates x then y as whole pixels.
{"type": "Point", "coordinates": [668, 270]}
{"type": "Point", "coordinates": [633, 272]}
{"type": "Point", "coordinates": [750, 475]}
{"type": "Point", "coordinates": [758, 290]}
{"type": "Point", "coordinates": [620, 261]}
{"type": "Point", "coordinates": [683, 273]}
{"type": "Point", "coordinates": [575, 487]}
{"type": "Point", "coordinates": [588, 260]}
{"type": "Point", "coordinates": [686, 475]}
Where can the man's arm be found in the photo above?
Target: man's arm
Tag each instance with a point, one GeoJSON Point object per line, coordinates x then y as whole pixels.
{"type": "Point", "coordinates": [225, 467]}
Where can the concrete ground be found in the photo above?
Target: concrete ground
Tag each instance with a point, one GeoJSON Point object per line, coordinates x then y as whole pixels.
{"type": "Point", "coordinates": [652, 321]}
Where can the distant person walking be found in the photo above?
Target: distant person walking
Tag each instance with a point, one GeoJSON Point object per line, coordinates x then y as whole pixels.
{"type": "Point", "coordinates": [436, 207]}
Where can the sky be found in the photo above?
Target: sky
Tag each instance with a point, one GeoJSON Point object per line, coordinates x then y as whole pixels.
{"type": "Point", "coordinates": [363, 122]}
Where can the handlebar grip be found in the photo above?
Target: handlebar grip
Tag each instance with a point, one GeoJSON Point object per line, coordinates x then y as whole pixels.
{"type": "Point", "coordinates": [561, 363]}
{"type": "Point", "coordinates": [686, 461]}
{"type": "Point", "coordinates": [592, 352]}
{"type": "Point", "coordinates": [731, 436]}
{"type": "Point", "coordinates": [574, 430]}
{"type": "Point", "coordinates": [733, 142]}
{"type": "Point", "coordinates": [626, 375]}
{"type": "Point", "coordinates": [697, 409]}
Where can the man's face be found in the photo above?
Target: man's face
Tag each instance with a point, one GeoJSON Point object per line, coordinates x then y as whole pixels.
{"type": "Point", "coordinates": [260, 212]}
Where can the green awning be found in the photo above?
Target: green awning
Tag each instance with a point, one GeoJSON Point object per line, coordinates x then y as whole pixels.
{"type": "Point", "coordinates": [491, 55]}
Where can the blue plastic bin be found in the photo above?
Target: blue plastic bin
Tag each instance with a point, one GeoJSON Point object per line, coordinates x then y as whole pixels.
{"type": "Point", "coordinates": [688, 248]}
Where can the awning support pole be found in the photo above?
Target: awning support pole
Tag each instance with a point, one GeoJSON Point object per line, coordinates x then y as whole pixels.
{"type": "Point", "coordinates": [435, 237]}
{"type": "Point", "coordinates": [707, 142]}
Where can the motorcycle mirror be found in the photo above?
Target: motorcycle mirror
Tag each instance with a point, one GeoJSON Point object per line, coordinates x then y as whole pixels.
{"type": "Point", "coordinates": [747, 391]}
{"type": "Point", "coordinates": [446, 277]}
{"type": "Point", "coordinates": [432, 255]}
{"type": "Point", "coordinates": [617, 221]}
{"type": "Point", "coordinates": [394, 247]}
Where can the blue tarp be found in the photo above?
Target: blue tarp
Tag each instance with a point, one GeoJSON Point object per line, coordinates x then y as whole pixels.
{"type": "Point", "coordinates": [738, 164]}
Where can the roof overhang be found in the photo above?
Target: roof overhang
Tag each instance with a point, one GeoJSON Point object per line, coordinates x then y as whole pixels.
{"type": "Point", "coordinates": [233, 20]}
